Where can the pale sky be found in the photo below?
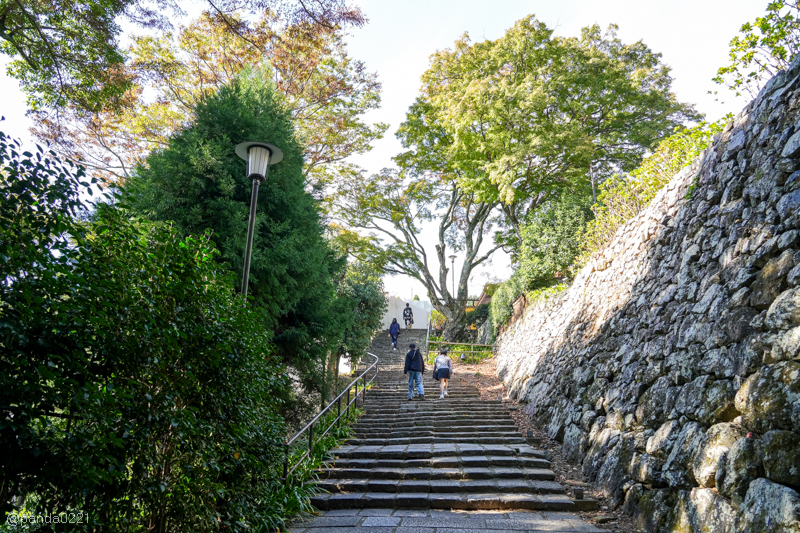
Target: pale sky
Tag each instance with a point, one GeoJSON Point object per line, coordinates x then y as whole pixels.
{"type": "Point", "coordinates": [692, 37]}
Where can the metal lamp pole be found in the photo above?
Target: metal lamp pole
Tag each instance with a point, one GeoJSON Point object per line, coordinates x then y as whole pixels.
{"type": "Point", "coordinates": [453, 270]}
{"type": "Point", "coordinates": [259, 157]}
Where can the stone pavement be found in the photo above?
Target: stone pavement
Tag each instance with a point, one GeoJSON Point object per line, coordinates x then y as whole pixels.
{"type": "Point", "coordinates": [436, 521]}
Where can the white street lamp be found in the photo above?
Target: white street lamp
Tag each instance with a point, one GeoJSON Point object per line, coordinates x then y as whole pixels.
{"type": "Point", "coordinates": [259, 157]}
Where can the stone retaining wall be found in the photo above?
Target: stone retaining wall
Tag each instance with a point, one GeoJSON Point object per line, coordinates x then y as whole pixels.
{"type": "Point", "coordinates": [670, 369]}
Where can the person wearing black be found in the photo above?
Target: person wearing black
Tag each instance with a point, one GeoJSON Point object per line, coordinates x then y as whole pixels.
{"type": "Point", "coordinates": [415, 366]}
{"type": "Point", "coordinates": [408, 316]}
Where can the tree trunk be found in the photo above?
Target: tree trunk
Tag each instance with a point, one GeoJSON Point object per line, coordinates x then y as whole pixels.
{"type": "Point", "coordinates": [456, 326]}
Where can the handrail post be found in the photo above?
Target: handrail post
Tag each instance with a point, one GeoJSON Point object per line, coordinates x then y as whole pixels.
{"type": "Point", "coordinates": [286, 464]}
{"type": "Point", "coordinates": [339, 412]}
{"type": "Point", "coordinates": [311, 439]}
{"type": "Point", "coordinates": [348, 402]}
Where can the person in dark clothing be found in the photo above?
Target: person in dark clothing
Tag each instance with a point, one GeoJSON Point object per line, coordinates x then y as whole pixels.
{"type": "Point", "coordinates": [415, 366]}
{"type": "Point", "coordinates": [394, 332]}
{"type": "Point", "coordinates": [408, 316]}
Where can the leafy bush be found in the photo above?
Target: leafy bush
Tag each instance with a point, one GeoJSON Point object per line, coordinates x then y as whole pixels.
{"type": "Point", "coordinates": [764, 48]}
{"type": "Point", "coordinates": [136, 387]}
{"type": "Point", "coordinates": [500, 309]}
{"type": "Point", "coordinates": [552, 238]}
{"type": "Point", "coordinates": [478, 315]}
{"type": "Point", "coordinates": [437, 319]}
{"type": "Point", "coordinates": [197, 183]}
{"type": "Point", "coordinates": [625, 196]}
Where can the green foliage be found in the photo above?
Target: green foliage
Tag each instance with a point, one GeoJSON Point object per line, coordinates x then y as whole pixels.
{"type": "Point", "coordinates": [500, 309]}
{"type": "Point", "coordinates": [552, 237]}
{"type": "Point", "coordinates": [198, 184]}
{"type": "Point", "coordinates": [135, 385]}
{"type": "Point", "coordinates": [437, 319]}
{"type": "Point", "coordinates": [65, 50]}
{"type": "Point", "coordinates": [520, 118]}
{"type": "Point", "coordinates": [625, 196]}
{"type": "Point", "coordinates": [478, 316]}
{"type": "Point", "coordinates": [763, 48]}
{"type": "Point", "coordinates": [363, 301]}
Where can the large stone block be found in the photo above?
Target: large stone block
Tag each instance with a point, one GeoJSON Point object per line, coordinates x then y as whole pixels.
{"type": "Point", "coordinates": [677, 470]}
{"type": "Point", "coordinates": [770, 398]}
{"type": "Point", "coordinates": [770, 508]}
{"type": "Point", "coordinates": [782, 457]}
{"type": "Point", "coordinates": [703, 510]}
{"type": "Point", "coordinates": [771, 280]}
{"type": "Point", "coordinates": [784, 313]}
{"type": "Point", "coordinates": [741, 466]}
{"type": "Point", "coordinates": [712, 450]}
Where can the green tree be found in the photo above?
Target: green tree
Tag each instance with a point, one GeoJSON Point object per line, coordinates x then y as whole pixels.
{"type": "Point", "coordinates": [625, 195]}
{"type": "Point", "coordinates": [394, 208]}
{"type": "Point", "coordinates": [198, 183]}
{"type": "Point", "coordinates": [762, 49]}
{"type": "Point", "coordinates": [552, 238]}
{"type": "Point", "coordinates": [327, 91]}
{"type": "Point", "coordinates": [529, 114]}
{"type": "Point", "coordinates": [500, 129]}
{"type": "Point", "coordinates": [362, 295]}
{"type": "Point", "coordinates": [134, 385]}
{"type": "Point", "coordinates": [66, 52]}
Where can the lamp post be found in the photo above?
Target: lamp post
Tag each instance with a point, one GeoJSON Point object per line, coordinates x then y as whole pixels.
{"type": "Point", "coordinates": [453, 270]}
{"type": "Point", "coordinates": [259, 157]}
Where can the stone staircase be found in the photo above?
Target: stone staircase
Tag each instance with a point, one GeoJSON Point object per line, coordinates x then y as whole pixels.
{"type": "Point", "coordinates": [460, 452]}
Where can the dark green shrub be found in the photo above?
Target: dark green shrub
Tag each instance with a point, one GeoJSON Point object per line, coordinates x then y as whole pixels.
{"type": "Point", "coordinates": [552, 238]}
{"type": "Point", "coordinates": [135, 386]}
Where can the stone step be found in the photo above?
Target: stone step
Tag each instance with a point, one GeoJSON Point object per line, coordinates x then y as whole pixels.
{"type": "Point", "coordinates": [472, 486]}
{"type": "Point", "coordinates": [394, 433]}
{"type": "Point", "coordinates": [465, 473]}
{"type": "Point", "coordinates": [423, 465]}
{"type": "Point", "coordinates": [431, 439]}
{"type": "Point", "coordinates": [423, 451]}
{"type": "Point", "coordinates": [433, 425]}
{"type": "Point", "coordinates": [431, 500]}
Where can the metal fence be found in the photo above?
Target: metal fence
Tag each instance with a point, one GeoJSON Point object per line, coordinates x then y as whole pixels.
{"type": "Point", "coordinates": [337, 402]}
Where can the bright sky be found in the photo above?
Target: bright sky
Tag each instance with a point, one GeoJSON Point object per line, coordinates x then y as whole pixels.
{"type": "Point", "coordinates": [692, 36]}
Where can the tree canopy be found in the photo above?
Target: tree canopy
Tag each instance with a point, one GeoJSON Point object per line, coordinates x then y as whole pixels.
{"type": "Point", "coordinates": [524, 116]}
{"type": "Point", "coordinates": [197, 183]}
{"type": "Point", "coordinates": [327, 92]}
{"type": "Point", "coordinates": [66, 52]}
{"type": "Point", "coordinates": [763, 48]}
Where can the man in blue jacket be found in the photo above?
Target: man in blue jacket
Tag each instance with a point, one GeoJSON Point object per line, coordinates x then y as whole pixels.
{"type": "Point", "coordinates": [414, 368]}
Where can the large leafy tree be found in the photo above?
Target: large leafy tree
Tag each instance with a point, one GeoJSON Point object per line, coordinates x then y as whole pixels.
{"type": "Point", "coordinates": [395, 208]}
{"type": "Point", "coordinates": [327, 91]}
{"type": "Point", "coordinates": [134, 386]}
{"type": "Point", "coordinates": [499, 130]}
{"type": "Point", "coordinates": [530, 114]}
{"type": "Point", "coordinates": [66, 52]}
{"type": "Point", "coordinates": [198, 183]}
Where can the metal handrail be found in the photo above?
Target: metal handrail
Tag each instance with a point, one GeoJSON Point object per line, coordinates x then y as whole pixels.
{"type": "Point", "coordinates": [338, 400]}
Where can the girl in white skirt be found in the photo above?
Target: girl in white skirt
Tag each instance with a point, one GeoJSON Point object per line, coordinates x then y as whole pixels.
{"type": "Point", "coordinates": [442, 370]}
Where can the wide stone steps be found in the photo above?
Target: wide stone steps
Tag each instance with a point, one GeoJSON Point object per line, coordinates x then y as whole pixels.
{"type": "Point", "coordinates": [466, 473]}
{"type": "Point", "coordinates": [438, 439]}
{"type": "Point", "coordinates": [460, 452]}
{"type": "Point", "coordinates": [449, 500]}
{"type": "Point", "coordinates": [472, 486]}
{"type": "Point", "coordinates": [472, 461]}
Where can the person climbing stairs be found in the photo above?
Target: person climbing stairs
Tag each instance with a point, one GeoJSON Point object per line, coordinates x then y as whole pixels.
{"type": "Point", "coordinates": [459, 452]}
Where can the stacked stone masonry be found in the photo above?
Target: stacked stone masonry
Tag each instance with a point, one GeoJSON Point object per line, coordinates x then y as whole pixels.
{"type": "Point", "coordinates": [670, 369]}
